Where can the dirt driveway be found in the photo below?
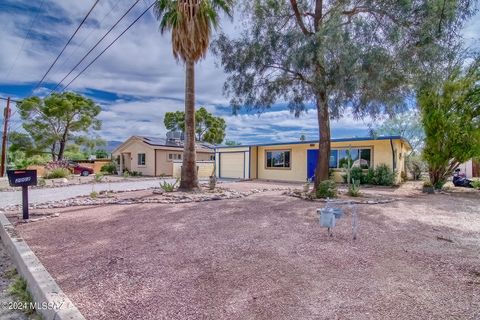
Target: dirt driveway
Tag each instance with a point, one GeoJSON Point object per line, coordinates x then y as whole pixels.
{"type": "Point", "coordinates": [265, 257]}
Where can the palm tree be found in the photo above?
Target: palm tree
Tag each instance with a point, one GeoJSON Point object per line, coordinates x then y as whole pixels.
{"type": "Point", "coordinates": [191, 23]}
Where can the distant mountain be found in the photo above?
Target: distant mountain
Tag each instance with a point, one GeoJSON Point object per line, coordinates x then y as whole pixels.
{"type": "Point", "coordinates": [111, 145]}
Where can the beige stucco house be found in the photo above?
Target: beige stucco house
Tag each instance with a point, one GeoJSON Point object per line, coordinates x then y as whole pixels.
{"type": "Point", "coordinates": [155, 156]}
{"type": "Point", "coordinates": [296, 161]}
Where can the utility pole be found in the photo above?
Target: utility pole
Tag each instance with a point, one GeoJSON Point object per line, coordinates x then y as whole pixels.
{"type": "Point", "coordinates": [6, 116]}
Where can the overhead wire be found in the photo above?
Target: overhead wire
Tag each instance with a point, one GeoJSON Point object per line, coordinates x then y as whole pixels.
{"type": "Point", "coordinates": [111, 43]}
{"type": "Point", "coordinates": [88, 35]}
{"type": "Point", "coordinates": [66, 45]}
{"type": "Point", "coordinates": [96, 45]}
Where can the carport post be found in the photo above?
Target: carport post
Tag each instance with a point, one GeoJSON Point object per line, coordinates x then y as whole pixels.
{"type": "Point", "coordinates": [25, 202]}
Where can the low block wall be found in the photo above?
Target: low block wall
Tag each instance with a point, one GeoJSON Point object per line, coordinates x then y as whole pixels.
{"type": "Point", "coordinates": [96, 165]}
{"type": "Point", "coordinates": [205, 168]}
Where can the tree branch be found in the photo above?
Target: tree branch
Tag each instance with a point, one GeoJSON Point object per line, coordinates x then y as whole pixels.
{"type": "Point", "coordinates": [296, 73]}
{"type": "Point", "coordinates": [318, 14]}
{"type": "Point", "coordinates": [363, 9]}
{"type": "Point", "coordinates": [299, 18]}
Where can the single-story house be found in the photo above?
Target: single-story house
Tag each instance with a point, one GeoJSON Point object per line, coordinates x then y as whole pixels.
{"type": "Point", "coordinates": [155, 156]}
{"type": "Point", "coordinates": [296, 161]}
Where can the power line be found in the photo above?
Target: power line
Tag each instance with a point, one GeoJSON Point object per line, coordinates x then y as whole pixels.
{"type": "Point", "coordinates": [2, 98]}
{"type": "Point", "coordinates": [68, 42]}
{"type": "Point", "coordinates": [88, 36]}
{"type": "Point", "coordinates": [111, 43]}
{"type": "Point", "coordinates": [96, 44]}
{"type": "Point", "coordinates": [24, 40]}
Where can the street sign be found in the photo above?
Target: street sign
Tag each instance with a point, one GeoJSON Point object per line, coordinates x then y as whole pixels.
{"type": "Point", "coordinates": [23, 178]}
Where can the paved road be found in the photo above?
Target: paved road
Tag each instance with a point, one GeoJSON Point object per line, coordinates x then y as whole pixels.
{"type": "Point", "coordinates": [60, 193]}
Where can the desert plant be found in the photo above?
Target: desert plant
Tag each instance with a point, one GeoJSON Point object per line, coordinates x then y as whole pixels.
{"type": "Point", "coordinates": [354, 188]}
{"type": "Point", "coordinates": [326, 189]}
{"type": "Point", "coordinates": [57, 164]}
{"type": "Point", "coordinates": [356, 173]}
{"type": "Point", "coordinates": [110, 168]}
{"type": "Point", "coordinates": [476, 184]}
{"type": "Point", "coordinates": [167, 186]}
{"type": "Point", "coordinates": [98, 177]}
{"type": "Point", "coordinates": [384, 176]}
{"type": "Point", "coordinates": [57, 173]}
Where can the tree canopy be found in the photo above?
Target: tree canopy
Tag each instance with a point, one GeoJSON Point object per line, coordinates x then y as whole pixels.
{"type": "Point", "coordinates": [208, 128]}
{"type": "Point", "coordinates": [451, 119]}
{"type": "Point", "coordinates": [360, 56]}
{"type": "Point", "coordinates": [57, 119]}
{"type": "Point", "coordinates": [405, 124]}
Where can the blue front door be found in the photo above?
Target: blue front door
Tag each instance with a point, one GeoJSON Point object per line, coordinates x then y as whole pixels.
{"type": "Point", "coordinates": [312, 159]}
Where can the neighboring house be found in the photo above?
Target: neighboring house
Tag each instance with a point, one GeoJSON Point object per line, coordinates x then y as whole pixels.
{"type": "Point", "coordinates": [296, 161]}
{"type": "Point", "coordinates": [471, 168]}
{"type": "Point", "coordinates": [155, 156]}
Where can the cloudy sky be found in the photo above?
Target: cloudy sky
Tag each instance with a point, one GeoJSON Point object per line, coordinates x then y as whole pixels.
{"type": "Point", "coordinates": [137, 80]}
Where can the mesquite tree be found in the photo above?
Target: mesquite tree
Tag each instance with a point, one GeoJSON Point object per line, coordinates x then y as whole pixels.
{"type": "Point", "coordinates": [52, 122]}
{"type": "Point", "coordinates": [451, 119]}
{"type": "Point", "coordinates": [334, 55]}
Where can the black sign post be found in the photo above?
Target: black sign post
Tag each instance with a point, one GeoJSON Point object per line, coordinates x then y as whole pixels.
{"type": "Point", "coordinates": [23, 178]}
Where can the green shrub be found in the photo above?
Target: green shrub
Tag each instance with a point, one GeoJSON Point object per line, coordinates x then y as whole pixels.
{"type": "Point", "coordinates": [369, 177]}
{"type": "Point", "coordinates": [167, 186]}
{"type": "Point", "coordinates": [57, 173]}
{"type": "Point", "coordinates": [110, 168]}
{"type": "Point", "coordinates": [354, 188]}
{"type": "Point", "coordinates": [383, 176]}
{"type": "Point", "coordinates": [326, 189]}
{"type": "Point", "coordinates": [93, 194]}
{"type": "Point", "coordinates": [356, 174]}
{"type": "Point", "coordinates": [476, 184]}
{"type": "Point", "coordinates": [126, 174]}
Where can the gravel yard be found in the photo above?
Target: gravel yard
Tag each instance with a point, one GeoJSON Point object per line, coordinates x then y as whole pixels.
{"type": "Point", "coordinates": [265, 257]}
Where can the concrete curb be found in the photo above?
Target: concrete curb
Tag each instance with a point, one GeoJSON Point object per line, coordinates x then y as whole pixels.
{"type": "Point", "coordinates": [49, 299]}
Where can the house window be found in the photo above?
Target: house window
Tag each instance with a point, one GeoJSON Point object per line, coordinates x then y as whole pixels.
{"type": "Point", "coordinates": [278, 159]}
{"type": "Point", "coordinates": [212, 157]}
{"type": "Point", "coordinates": [141, 159]}
{"type": "Point", "coordinates": [174, 156]}
{"type": "Point", "coordinates": [333, 158]}
{"type": "Point", "coordinates": [361, 158]}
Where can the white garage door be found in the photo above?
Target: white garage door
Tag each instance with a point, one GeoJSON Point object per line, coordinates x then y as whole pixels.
{"type": "Point", "coordinates": [232, 165]}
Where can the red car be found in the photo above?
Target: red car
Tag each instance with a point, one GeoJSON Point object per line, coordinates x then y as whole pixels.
{"type": "Point", "coordinates": [78, 169]}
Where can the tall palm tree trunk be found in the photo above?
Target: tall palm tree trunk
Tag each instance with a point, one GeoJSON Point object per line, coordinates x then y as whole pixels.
{"type": "Point", "coordinates": [189, 179]}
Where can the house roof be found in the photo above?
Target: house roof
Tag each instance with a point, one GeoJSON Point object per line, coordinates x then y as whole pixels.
{"type": "Point", "coordinates": [316, 141]}
{"type": "Point", "coordinates": [163, 142]}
